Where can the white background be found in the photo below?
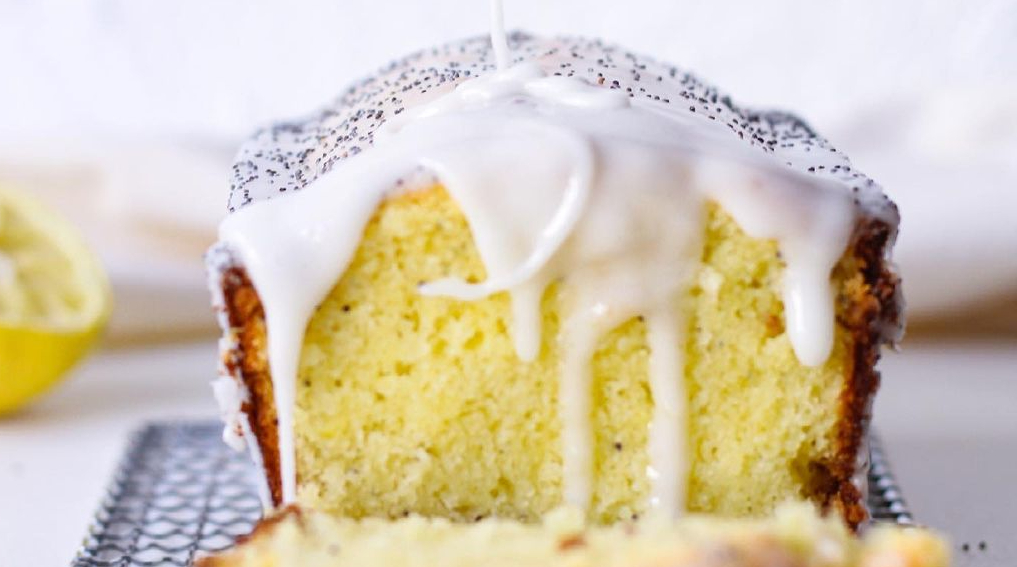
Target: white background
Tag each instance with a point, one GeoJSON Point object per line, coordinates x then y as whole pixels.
{"type": "Point", "coordinates": [219, 67]}
{"type": "Point", "coordinates": [146, 100]}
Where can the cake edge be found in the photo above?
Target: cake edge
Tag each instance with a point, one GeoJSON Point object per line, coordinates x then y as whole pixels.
{"type": "Point", "coordinates": [795, 535]}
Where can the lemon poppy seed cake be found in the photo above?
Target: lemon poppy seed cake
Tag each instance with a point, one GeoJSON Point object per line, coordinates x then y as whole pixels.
{"type": "Point", "coordinates": [501, 277]}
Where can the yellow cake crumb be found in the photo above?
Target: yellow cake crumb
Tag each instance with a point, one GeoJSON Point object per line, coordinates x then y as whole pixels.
{"type": "Point", "coordinates": [794, 537]}
{"type": "Point", "coordinates": [409, 404]}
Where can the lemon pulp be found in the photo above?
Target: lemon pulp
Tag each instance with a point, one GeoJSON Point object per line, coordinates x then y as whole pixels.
{"type": "Point", "coordinates": [54, 298]}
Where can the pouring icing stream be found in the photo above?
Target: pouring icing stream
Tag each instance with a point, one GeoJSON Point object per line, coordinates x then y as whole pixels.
{"type": "Point", "coordinates": [499, 43]}
{"type": "Point", "coordinates": [559, 179]}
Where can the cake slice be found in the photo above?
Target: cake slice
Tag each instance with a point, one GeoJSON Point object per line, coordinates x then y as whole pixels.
{"type": "Point", "coordinates": [794, 537]}
{"type": "Point", "coordinates": [481, 286]}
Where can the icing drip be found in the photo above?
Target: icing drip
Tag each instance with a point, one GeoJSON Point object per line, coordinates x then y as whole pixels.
{"type": "Point", "coordinates": [565, 179]}
{"type": "Point", "coordinates": [230, 397]}
{"type": "Point", "coordinates": [499, 43]}
{"type": "Point", "coordinates": [668, 455]}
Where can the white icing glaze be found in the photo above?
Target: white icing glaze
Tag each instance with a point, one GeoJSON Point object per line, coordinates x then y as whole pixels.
{"type": "Point", "coordinates": [667, 436]}
{"type": "Point", "coordinates": [230, 395]}
{"type": "Point", "coordinates": [559, 179]}
{"type": "Point", "coordinates": [499, 43]}
{"type": "Point", "coordinates": [264, 494]}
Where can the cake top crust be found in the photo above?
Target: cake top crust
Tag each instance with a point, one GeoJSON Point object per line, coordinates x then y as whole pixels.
{"type": "Point", "coordinates": [288, 156]}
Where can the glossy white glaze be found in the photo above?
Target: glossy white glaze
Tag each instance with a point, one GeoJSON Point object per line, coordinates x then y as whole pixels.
{"type": "Point", "coordinates": [499, 43]}
{"type": "Point", "coordinates": [230, 396]}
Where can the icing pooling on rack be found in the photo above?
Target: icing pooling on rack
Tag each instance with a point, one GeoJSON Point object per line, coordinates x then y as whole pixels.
{"type": "Point", "coordinates": [611, 200]}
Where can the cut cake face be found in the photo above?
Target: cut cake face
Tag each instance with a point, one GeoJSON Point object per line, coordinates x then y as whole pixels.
{"type": "Point", "coordinates": [580, 192]}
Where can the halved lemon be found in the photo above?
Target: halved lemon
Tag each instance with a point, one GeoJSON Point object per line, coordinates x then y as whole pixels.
{"type": "Point", "coordinates": [54, 298]}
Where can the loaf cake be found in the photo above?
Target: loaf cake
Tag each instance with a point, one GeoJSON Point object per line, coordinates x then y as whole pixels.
{"type": "Point", "coordinates": [495, 279]}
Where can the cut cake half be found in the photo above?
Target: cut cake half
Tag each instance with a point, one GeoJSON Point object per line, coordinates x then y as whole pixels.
{"type": "Point", "coordinates": [583, 278]}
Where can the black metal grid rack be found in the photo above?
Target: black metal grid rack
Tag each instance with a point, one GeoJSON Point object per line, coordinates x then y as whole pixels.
{"type": "Point", "coordinates": [886, 504]}
{"type": "Point", "coordinates": [180, 491]}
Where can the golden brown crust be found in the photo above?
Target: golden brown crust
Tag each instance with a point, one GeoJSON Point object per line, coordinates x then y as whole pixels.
{"type": "Point", "coordinates": [249, 361]}
{"type": "Point", "coordinates": [872, 306]}
{"type": "Point", "coordinates": [263, 528]}
{"type": "Point", "coordinates": [869, 306]}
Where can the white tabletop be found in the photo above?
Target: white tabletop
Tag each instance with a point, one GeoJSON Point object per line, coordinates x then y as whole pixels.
{"type": "Point", "coordinates": [947, 412]}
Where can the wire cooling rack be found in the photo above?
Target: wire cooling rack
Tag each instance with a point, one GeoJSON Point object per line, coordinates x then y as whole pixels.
{"type": "Point", "coordinates": [180, 491]}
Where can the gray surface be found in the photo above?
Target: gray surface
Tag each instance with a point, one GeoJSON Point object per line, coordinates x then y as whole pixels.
{"type": "Point", "coordinates": [948, 417]}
